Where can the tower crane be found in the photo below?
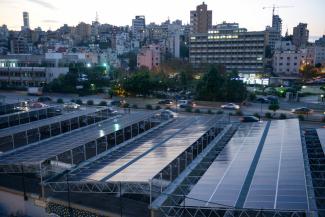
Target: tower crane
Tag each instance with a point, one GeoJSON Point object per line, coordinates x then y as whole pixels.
{"type": "Point", "coordinates": [276, 6]}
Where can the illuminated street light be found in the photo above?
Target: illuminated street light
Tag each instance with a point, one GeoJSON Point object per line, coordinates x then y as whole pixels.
{"type": "Point", "coordinates": [105, 64]}
{"type": "Point", "coordinates": [88, 65]}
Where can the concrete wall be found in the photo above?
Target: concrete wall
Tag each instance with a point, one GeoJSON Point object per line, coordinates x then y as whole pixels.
{"type": "Point", "coordinates": [12, 202]}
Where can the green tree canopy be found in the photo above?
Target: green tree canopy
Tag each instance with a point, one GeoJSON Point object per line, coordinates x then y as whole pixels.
{"type": "Point", "coordinates": [218, 85]}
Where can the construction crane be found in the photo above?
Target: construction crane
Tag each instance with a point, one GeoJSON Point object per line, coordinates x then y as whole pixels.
{"type": "Point", "coordinates": [277, 6]}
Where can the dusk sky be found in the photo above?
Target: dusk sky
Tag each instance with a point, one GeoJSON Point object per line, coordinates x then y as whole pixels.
{"type": "Point", "coordinates": [248, 13]}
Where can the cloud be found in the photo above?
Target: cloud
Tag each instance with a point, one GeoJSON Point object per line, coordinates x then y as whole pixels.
{"type": "Point", "coordinates": [43, 4]}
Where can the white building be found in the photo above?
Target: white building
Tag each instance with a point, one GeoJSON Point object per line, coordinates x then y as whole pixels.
{"type": "Point", "coordinates": [287, 59]}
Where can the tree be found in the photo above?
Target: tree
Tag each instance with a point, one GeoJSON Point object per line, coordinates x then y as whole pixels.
{"type": "Point", "coordinates": [308, 72]}
{"type": "Point", "coordinates": [274, 107]}
{"type": "Point", "coordinates": [218, 85]}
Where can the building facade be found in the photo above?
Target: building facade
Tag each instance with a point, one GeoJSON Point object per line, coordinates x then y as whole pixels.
{"type": "Point", "coordinates": [300, 35]}
{"type": "Point", "coordinates": [149, 57]}
{"type": "Point", "coordinates": [287, 59]}
{"type": "Point", "coordinates": [139, 27]}
{"type": "Point", "coordinates": [201, 19]}
{"type": "Point", "coordinates": [25, 21]}
{"type": "Point", "coordinates": [234, 47]}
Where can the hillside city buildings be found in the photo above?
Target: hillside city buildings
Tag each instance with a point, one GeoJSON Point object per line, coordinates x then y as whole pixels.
{"type": "Point", "coordinates": [251, 53]}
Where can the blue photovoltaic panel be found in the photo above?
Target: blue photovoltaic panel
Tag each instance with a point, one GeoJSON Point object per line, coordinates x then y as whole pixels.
{"type": "Point", "coordinates": [223, 181]}
{"type": "Point", "coordinates": [321, 136]}
{"type": "Point", "coordinates": [279, 179]}
{"type": "Point", "coordinates": [255, 173]}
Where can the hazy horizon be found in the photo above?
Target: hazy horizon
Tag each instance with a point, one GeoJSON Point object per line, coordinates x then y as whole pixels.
{"type": "Point", "coordinates": [51, 15]}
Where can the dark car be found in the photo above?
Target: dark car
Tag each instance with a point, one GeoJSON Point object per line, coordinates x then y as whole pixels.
{"type": "Point", "coordinates": [262, 100]}
{"type": "Point", "coordinates": [165, 102]}
{"type": "Point", "coordinates": [273, 99]}
{"type": "Point", "coordinates": [44, 99]}
{"type": "Point", "coordinates": [117, 103]}
{"type": "Point", "coordinates": [246, 119]}
{"type": "Point", "coordinates": [302, 111]}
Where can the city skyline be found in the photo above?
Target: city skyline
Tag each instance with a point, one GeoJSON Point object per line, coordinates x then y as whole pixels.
{"type": "Point", "coordinates": [51, 16]}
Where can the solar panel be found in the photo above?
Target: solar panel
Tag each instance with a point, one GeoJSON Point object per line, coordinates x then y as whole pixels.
{"type": "Point", "coordinates": [48, 121]}
{"type": "Point", "coordinates": [223, 181]}
{"type": "Point", "coordinates": [45, 150]}
{"type": "Point", "coordinates": [321, 136]}
{"type": "Point", "coordinates": [279, 180]}
{"type": "Point", "coordinates": [103, 168]}
{"type": "Point", "coordinates": [151, 164]}
{"type": "Point", "coordinates": [276, 181]}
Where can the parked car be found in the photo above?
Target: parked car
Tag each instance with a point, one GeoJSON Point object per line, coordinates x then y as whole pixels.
{"type": "Point", "coordinates": [273, 99]}
{"type": "Point", "coordinates": [262, 100]}
{"type": "Point", "coordinates": [44, 99]}
{"type": "Point", "coordinates": [231, 106]}
{"type": "Point", "coordinates": [186, 103]}
{"type": "Point", "coordinates": [246, 119]}
{"type": "Point", "coordinates": [302, 111]}
{"type": "Point", "coordinates": [167, 114]}
{"type": "Point", "coordinates": [165, 102]}
{"type": "Point", "coordinates": [117, 102]}
{"type": "Point", "coordinates": [37, 105]}
{"type": "Point", "coordinates": [71, 105]}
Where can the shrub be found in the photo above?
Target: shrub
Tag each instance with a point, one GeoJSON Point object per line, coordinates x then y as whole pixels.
{"type": "Point", "coordinates": [282, 116]}
{"type": "Point", "coordinates": [239, 113]}
{"type": "Point", "coordinates": [268, 115]}
{"type": "Point", "coordinates": [90, 102]}
{"type": "Point", "coordinates": [158, 107]}
{"type": "Point", "coordinates": [219, 112]}
{"type": "Point", "coordinates": [197, 111]}
{"type": "Point", "coordinates": [79, 101]}
{"type": "Point", "coordinates": [60, 100]}
{"type": "Point", "coordinates": [323, 119]}
{"type": "Point", "coordinates": [188, 109]}
{"type": "Point", "coordinates": [135, 106]}
{"type": "Point", "coordinates": [257, 115]}
{"type": "Point", "coordinates": [301, 117]}
{"type": "Point", "coordinates": [209, 111]}
{"type": "Point", "coordinates": [72, 100]}
{"type": "Point", "coordinates": [103, 103]}
{"type": "Point", "coordinates": [125, 105]}
{"type": "Point", "coordinates": [230, 114]}
{"type": "Point", "coordinates": [252, 97]}
{"type": "Point", "coordinates": [148, 106]}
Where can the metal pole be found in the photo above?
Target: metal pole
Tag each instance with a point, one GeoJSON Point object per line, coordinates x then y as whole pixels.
{"type": "Point", "coordinates": [23, 182]}
{"type": "Point", "coordinates": [69, 200]}
{"type": "Point", "coordinates": [121, 208]}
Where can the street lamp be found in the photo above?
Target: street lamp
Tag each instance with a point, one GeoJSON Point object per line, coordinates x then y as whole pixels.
{"type": "Point", "coordinates": [88, 65]}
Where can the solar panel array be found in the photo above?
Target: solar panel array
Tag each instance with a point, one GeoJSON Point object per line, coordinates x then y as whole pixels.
{"type": "Point", "coordinates": [48, 121]}
{"type": "Point", "coordinates": [45, 150]}
{"type": "Point", "coordinates": [155, 161]}
{"type": "Point", "coordinates": [278, 182]}
{"type": "Point", "coordinates": [224, 179]}
{"type": "Point", "coordinates": [103, 168]}
{"type": "Point", "coordinates": [321, 136]}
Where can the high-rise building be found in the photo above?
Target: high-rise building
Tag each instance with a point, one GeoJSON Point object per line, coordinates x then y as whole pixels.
{"type": "Point", "coordinates": [26, 20]}
{"type": "Point", "coordinates": [275, 31]}
{"type": "Point", "coordinates": [300, 35]}
{"type": "Point", "coordinates": [139, 27]}
{"type": "Point", "coordinates": [234, 47]}
{"type": "Point", "coordinates": [201, 19]}
{"type": "Point", "coordinates": [277, 24]}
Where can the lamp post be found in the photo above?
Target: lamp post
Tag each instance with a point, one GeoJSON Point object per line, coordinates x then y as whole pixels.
{"type": "Point", "coordinates": [69, 200]}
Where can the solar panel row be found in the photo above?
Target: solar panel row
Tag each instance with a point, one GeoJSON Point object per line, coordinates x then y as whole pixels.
{"type": "Point", "coordinates": [278, 181]}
